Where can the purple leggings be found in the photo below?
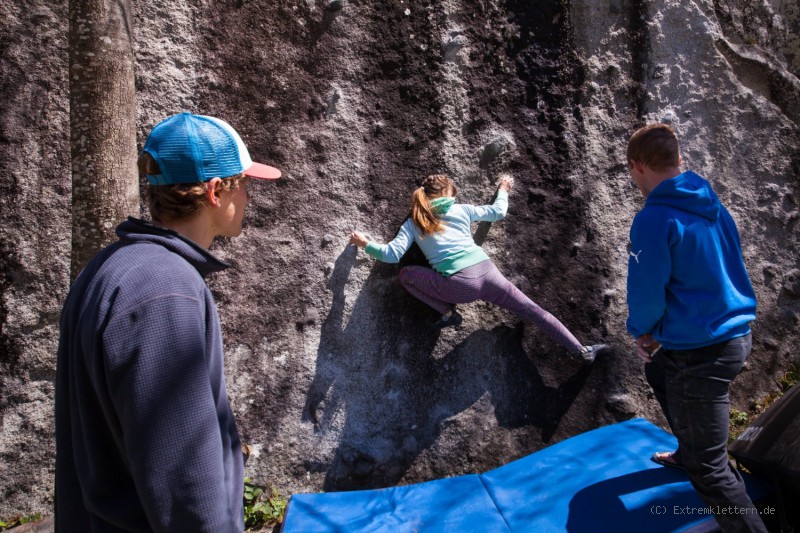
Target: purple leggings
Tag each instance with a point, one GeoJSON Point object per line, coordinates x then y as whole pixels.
{"type": "Point", "coordinates": [482, 282]}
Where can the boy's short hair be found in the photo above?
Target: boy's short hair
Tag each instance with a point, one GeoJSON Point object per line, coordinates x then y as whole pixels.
{"type": "Point", "coordinates": [183, 200]}
{"type": "Point", "coordinates": [178, 201]}
{"type": "Point", "coordinates": [655, 146]}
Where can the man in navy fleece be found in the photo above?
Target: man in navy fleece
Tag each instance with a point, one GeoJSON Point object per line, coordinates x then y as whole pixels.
{"type": "Point", "coordinates": [145, 436]}
{"type": "Point", "coordinates": [690, 304]}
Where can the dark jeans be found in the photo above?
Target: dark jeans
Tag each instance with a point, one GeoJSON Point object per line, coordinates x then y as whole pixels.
{"type": "Point", "coordinates": [692, 388]}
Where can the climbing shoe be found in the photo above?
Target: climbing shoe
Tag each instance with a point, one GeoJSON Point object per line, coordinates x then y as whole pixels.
{"type": "Point", "coordinates": [588, 353]}
{"type": "Point", "coordinates": [454, 319]}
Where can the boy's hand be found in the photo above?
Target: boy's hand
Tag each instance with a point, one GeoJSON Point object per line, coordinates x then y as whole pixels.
{"type": "Point", "coordinates": [646, 346]}
{"type": "Point", "coordinates": [506, 183]}
{"type": "Point", "coordinates": [359, 239]}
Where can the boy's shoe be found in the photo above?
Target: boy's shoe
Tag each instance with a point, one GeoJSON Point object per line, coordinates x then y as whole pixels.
{"type": "Point", "coordinates": [669, 459]}
{"type": "Point", "coordinates": [454, 319]}
{"type": "Point", "coordinates": [588, 354]}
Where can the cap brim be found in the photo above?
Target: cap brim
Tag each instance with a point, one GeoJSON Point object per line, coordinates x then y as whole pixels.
{"type": "Point", "coordinates": [262, 172]}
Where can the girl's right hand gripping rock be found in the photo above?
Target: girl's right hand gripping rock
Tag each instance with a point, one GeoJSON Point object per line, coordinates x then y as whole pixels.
{"type": "Point", "coordinates": [359, 239]}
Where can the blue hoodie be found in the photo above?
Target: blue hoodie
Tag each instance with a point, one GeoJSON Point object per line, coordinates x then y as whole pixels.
{"type": "Point", "coordinates": [687, 283]}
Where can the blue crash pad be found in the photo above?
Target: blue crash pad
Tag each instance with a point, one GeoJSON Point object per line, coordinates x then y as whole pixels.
{"type": "Point", "coordinates": [452, 504]}
{"type": "Point", "coordinates": [601, 480]}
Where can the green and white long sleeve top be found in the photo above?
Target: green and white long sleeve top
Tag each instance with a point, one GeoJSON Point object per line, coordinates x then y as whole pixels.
{"type": "Point", "coordinates": [450, 250]}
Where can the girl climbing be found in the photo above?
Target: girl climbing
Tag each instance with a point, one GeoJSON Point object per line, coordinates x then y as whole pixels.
{"type": "Point", "coordinates": [462, 272]}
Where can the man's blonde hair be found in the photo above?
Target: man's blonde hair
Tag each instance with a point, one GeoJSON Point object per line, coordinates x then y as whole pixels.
{"type": "Point", "coordinates": [182, 200]}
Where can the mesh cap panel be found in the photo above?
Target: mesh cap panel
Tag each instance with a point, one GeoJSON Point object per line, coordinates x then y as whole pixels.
{"type": "Point", "coordinates": [190, 148]}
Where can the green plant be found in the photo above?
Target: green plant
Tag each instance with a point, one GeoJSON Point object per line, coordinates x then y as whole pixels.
{"type": "Point", "coordinates": [790, 378]}
{"type": "Point", "coordinates": [260, 510]}
{"type": "Point", "coordinates": [760, 405]}
{"type": "Point", "coordinates": [739, 418]}
{"type": "Point", "coordinates": [739, 421]}
{"type": "Point", "coordinates": [18, 521]}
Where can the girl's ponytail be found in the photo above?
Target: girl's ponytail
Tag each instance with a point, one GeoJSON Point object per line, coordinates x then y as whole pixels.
{"type": "Point", "coordinates": [421, 212]}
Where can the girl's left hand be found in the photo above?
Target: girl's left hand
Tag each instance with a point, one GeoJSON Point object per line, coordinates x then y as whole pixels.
{"type": "Point", "coordinates": [359, 239]}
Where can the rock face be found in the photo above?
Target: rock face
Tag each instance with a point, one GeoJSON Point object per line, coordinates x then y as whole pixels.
{"type": "Point", "coordinates": [335, 374]}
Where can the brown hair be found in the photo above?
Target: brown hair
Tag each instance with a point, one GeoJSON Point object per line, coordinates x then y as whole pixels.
{"type": "Point", "coordinates": [655, 146]}
{"type": "Point", "coordinates": [182, 200]}
{"type": "Point", "coordinates": [421, 212]}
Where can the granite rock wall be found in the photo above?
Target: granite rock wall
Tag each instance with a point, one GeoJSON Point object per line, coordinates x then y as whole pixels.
{"type": "Point", "coordinates": [336, 377]}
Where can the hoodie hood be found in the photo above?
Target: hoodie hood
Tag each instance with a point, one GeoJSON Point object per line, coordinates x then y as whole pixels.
{"type": "Point", "coordinates": [687, 192]}
{"type": "Point", "coordinates": [442, 204]}
{"type": "Point", "coordinates": [136, 230]}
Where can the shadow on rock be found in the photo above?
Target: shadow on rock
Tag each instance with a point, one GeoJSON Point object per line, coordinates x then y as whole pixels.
{"type": "Point", "coordinates": [379, 389]}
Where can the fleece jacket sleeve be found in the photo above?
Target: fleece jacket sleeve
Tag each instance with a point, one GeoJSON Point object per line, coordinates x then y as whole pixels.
{"type": "Point", "coordinates": [158, 380]}
{"type": "Point", "coordinates": [649, 268]}
{"type": "Point", "coordinates": [392, 252]}
{"type": "Point", "coordinates": [489, 213]}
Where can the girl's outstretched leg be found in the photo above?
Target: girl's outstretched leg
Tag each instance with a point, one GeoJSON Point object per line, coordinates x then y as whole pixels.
{"type": "Point", "coordinates": [501, 292]}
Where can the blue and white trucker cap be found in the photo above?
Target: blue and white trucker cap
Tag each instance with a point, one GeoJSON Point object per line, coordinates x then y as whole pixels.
{"type": "Point", "coordinates": [190, 148]}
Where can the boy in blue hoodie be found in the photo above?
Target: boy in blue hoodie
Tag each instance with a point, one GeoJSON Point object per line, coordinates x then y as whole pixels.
{"type": "Point", "coordinates": [690, 304]}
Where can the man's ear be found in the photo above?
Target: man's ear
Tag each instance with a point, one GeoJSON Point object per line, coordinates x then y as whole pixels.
{"type": "Point", "coordinates": [638, 165]}
{"type": "Point", "coordinates": [213, 190]}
